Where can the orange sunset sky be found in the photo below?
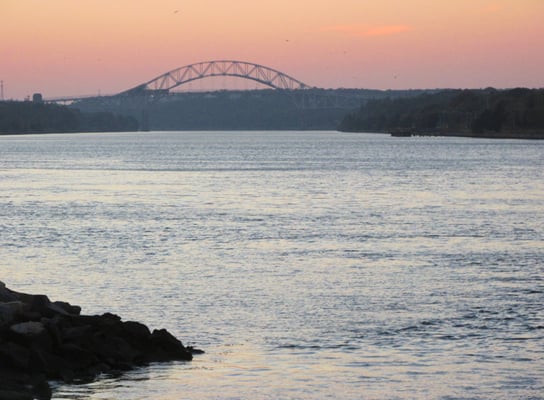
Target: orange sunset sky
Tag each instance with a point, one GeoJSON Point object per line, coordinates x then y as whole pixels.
{"type": "Point", "coordinates": [78, 47]}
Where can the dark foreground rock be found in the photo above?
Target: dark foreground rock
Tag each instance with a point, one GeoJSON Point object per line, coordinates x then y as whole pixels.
{"type": "Point", "coordinates": [41, 340]}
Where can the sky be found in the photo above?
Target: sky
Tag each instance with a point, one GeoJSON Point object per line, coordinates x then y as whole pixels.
{"type": "Point", "coordinates": [89, 47]}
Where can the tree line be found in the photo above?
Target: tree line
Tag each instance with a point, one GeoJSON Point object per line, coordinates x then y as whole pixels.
{"type": "Point", "coordinates": [483, 112]}
{"type": "Point", "coordinates": [18, 117]}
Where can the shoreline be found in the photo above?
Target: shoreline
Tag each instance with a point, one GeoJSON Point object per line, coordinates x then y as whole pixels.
{"type": "Point", "coordinates": [486, 135]}
{"type": "Point", "coordinates": [522, 135]}
{"type": "Point", "coordinates": [529, 135]}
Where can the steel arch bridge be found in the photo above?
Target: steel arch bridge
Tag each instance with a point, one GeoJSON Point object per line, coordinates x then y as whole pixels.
{"type": "Point", "coordinates": [241, 69]}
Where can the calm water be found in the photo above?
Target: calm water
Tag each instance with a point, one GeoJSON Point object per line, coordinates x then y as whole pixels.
{"type": "Point", "coordinates": [307, 265]}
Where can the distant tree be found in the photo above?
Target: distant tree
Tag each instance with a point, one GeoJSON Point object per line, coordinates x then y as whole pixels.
{"type": "Point", "coordinates": [38, 117]}
{"type": "Point", "coordinates": [455, 111]}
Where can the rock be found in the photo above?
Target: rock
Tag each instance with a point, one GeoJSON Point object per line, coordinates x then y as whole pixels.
{"type": "Point", "coordinates": [78, 358]}
{"type": "Point", "coordinates": [194, 351]}
{"type": "Point", "coordinates": [29, 328]}
{"type": "Point", "coordinates": [38, 301]}
{"type": "Point", "coordinates": [136, 331]}
{"type": "Point", "coordinates": [41, 340]}
{"type": "Point", "coordinates": [103, 321]}
{"type": "Point", "coordinates": [6, 295]}
{"type": "Point", "coordinates": [22, 393]}
{"type": "Point", "coordinates": [114, 350]}
{"type": "Point", "coordinates": [75, 333]}
{"type": "Point", "coordinates": [53, 327]}
{"type": "Point", "coordinates": [31, 334]}
{"type": "Point", "coordinates": [41, 389]}
{"type": "Point", "coordinates": [65, 308]}
{"type": "Point", "coordinates": [9, 311]}
{"type": "Point", "coordinates": [51, 365]}
{"type": "Point", "coordinates": [14, 356]}
{"type": "Point", "coordinates": [14, 386]}
{"type": "Point", "coordinates": [167, 347]}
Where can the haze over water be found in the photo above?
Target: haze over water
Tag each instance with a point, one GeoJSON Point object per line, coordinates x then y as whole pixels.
{"type": "Point", "coordinates": [305, 264]}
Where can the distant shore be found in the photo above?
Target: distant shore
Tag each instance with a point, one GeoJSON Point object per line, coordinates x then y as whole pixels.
{"type": "Point", "coordinates": [29, 117]}
{"type": "Point", "coordinates": [488, 135]}
{"type": "Point", "coordinates": [525, 135]}
{"type": "Point", "coordinates": [522, 135]}
{"type": "Point", "coordinates": [482, 113]}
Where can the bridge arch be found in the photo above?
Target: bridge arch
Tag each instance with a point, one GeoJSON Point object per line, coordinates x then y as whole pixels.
{"type": "Point", "coordinates": [241, 69]}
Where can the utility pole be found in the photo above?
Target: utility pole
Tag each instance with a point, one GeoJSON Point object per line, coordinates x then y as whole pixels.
{"type": "Point", "coordinates": [1, 90]}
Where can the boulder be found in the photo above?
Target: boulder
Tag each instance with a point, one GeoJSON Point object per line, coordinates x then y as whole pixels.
{"type": "Point", "coordinates": [77, 357]}
{"type": "Point", "coordinates": [9, 311]}
{"type": "Point", "coordinates": [166, 347]}
{"type": "Point", "coordinates": [29, 328]}
{"type": "Point", "coordinates": [31, 334]}
{"type": "Point", "coordinates": [14, 356]}
{"type": "Point", "coordinates": [6, 295]}
{"type": "Point", "coordinates": [53, 366]}
{"type": "Point", "coordinates": [65, 308]}
{"type": "Point", "coordinates": [16, 386]}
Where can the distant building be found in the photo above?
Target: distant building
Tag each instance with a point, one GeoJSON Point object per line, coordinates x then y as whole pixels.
{"type": "Point", "coordinates": [37, 98]}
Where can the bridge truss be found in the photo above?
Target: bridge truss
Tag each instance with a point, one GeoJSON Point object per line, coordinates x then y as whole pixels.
{"type": "Point", "coordinates": [241, 69]}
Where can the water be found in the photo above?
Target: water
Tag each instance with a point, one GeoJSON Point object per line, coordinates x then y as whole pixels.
{"type": "Point", "coordinates": [307, 265]}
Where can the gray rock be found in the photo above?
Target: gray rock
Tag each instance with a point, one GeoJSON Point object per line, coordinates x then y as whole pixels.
{"type": "Point", "coordinates": [30, 328]}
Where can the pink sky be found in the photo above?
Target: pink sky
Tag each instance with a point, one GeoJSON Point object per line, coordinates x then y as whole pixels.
{"type": "Point", "coordinates": [77, 47]}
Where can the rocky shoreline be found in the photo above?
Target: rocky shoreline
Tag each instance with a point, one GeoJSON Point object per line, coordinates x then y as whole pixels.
{"type": "Point", "coordinates": [41, 340]}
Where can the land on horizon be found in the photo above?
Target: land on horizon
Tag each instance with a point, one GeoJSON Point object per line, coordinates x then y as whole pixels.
{"type": "Point", "coordinates": [493, 113]}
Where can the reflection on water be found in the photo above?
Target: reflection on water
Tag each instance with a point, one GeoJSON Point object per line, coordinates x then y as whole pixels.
{"type": "Point", "coordinates": [307, 265]}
